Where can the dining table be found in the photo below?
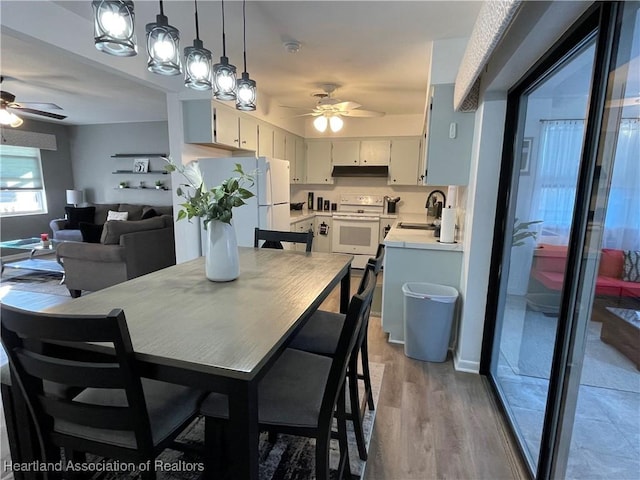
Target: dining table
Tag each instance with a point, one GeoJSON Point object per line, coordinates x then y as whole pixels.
{"type": "Point", "coordinates": [221, 336]}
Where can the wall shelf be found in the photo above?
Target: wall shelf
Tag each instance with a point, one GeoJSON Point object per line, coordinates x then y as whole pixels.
{"type": "Point", "coordinates": [141, 155]}
{"type": "Point", "coordinates": [165, 189]}
{"type": "Point", "coordinates": [128, 172]}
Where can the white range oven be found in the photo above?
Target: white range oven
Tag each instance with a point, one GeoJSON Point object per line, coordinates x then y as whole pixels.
{"type": "Point", "coordinates": [356, 226]}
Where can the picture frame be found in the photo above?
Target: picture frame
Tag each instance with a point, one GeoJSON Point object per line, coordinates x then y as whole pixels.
{"type": "Point", "coordinates": [140, 165]}
{"type": "Point", "coordinates": [525, 157]}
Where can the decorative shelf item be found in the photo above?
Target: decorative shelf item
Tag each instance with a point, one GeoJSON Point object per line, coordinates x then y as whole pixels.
{"type": "Point", "coordinates": [142, 188]}
{"type": "Point", "coordinates": [129, 172]}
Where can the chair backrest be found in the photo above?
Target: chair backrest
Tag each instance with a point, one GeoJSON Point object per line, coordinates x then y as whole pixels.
{"type": "Point", "coordinates": [32, 342]}
{"type": "Point", "coordinates": [358, 307]}
{"type": "Point", "coordinates": [274, 238]}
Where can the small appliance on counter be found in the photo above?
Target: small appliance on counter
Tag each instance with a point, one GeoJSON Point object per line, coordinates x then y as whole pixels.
{"type": "Point", "coordinates": [327, 204]}
{"type": "Point", "coordinates": [392, 204]}
{"type": "Point", "coordinates": [320, 204]}
{"type": "Point", "coordinates": [310, 201]}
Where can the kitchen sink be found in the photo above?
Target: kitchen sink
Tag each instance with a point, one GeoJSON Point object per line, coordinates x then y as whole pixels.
{"type": "Point", "coordinates": [416, 226]}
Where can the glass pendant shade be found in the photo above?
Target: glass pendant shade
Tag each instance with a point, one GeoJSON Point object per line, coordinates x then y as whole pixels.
{"type": "Point", "coordinates": [9, 118]}
{"type": "Point", "coordinates": [320, 123]}
{"type": "Point", "coordinates": [224, 80]}
{"type": "Point", "coordinates": [336, 123]}
{"type": "Point", "coordinates": [246, 100]}
{"type": "Point", "coordinates": [163, 47]}
{"type": "Point", "coordinates": [113, 27]}
{"type": "Point", "coordinates": [197, 61]}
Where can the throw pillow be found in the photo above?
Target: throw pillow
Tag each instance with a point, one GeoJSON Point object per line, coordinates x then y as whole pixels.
{"type": "Point", "coordinates": [631, 268]}
{"type": "Point", "coordinates": [150, 213]}
{"type": "Point", "coordinates": [91, 232]}
{"type": "Point", "coordinates": [117, 215]}
{"type": "Point", "coordinates": [114, 229]}
{"type": "Point", "coordinates": [75, 215]}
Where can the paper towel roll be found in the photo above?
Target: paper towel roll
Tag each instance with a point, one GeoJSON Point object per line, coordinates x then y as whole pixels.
{"type": "Point", "coordinates": [452, 196]}
{"type": "Point", "coordinates": [448, 226]}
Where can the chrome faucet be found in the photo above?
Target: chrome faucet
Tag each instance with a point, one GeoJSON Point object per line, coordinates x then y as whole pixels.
{"type": "Point", "coordinates": [433, 210]}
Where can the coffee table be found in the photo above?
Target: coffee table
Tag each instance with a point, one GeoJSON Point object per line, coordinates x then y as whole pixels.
{"type": "Point", "coordinates": [621, 330]}
{"type": "Point", "coordinates": [32, 248]}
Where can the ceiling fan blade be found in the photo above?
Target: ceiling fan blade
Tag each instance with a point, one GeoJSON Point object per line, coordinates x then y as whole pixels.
{"type": "Point", "coordinates": [312, 114]}
{"type": "Point", "coordinates": [41, 113]}
{"type": "Point", "coordinates": [36, 105]}
{"type": "Point", "coordinates": [346, 106]}
{"type": "Point", "coordinates": [295, 108]}
{"type": "Point", "coordinates": [362, 113]}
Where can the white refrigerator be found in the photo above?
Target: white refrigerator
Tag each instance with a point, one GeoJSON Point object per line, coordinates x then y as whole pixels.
{"type": "Point", "coordinates": [269, 208]}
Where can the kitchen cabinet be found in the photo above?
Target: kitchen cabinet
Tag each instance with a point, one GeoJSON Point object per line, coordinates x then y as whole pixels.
{"type": "Point", "coordinates": [405, 161]}
{"type": "Point", "coordinates": [385, 226]}
{"type": "Point", "coordinates": [375, 152]}
{"type": "Point", "coordinates": [279, 144]}
{"type": "Point", "coordinates": [450, 136]}
{"type": "Point", "coordinates": [345, 152]}
{"type": "Point", "coordinates": [265, 140]}
{"type": "Point", "coordinates": [322, 234]}
{"type": "Point", "coordinates": [319, 162]}
{"type": "Point", "coordinates": [295, 154]}
{"type": "Point", "coordinates": [210, 123]}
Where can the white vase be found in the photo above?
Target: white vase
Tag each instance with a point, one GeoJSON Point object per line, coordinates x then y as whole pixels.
{"type": "Point", "coordinates": [221, 260]}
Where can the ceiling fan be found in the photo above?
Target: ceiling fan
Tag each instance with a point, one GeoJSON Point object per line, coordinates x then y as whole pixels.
{"type": "Point", "coordinates": [8, 103]}
{"type": "Point", "coordinates": [329, 110]}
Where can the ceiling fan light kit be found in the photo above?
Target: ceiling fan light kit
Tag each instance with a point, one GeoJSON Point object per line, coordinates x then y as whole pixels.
{"type": "Point", "coordinates": [197, 60]}
{"type": "Point", "coordinates": [9, 118]}
{"type": "Point", "coordinates": [320, 123]}
{"type": "Point", "coordinates": [335, 123]}
{"type": "Point", "coordinates": [163, 46]}
{"type": "Point", "coordinates": [246, 95]}
{"type": "Point", "coordinates": [113, 26]}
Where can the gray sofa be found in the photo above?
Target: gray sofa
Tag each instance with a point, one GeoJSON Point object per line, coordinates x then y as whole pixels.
{"type": "Point", "coordinates": [59, 226]}
{"type": "Point", "coordinates": [128, 249]}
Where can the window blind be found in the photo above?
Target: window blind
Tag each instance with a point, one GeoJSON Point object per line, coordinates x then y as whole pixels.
{"type": "Point", "coordinates": [20, 168]}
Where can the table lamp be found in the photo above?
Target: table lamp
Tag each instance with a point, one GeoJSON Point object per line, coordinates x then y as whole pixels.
{"type": "Point", "coordinates": [74, 197]}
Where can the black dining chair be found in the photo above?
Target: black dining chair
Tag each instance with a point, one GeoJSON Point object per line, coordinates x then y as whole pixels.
{"type": "Point", "coordinates": [274, 238]}
{"type": "Point", "coordinates": [117, 415]}
{"type": "Point", "coordinates": [320, 335]}
{"type": "Point", "coordinates": [299, 395]}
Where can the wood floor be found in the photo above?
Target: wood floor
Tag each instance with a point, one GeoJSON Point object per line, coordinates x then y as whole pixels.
{"type": "Point", "coordinates": [431, 422]}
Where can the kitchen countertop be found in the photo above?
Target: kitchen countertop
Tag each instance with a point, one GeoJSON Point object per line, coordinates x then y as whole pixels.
{"type": "Point", "coordinates": [417, 239]}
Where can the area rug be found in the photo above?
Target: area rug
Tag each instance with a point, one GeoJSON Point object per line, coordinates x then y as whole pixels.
{"type": "Point", "coordinates": [31, 281]}
{"type": "Point", "coordinates": [289, 458]}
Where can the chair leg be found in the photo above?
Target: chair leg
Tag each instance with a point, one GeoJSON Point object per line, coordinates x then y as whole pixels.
{"type": "Point", "coordinates": [322, 455]}
{"type": "Point", "coordinates": [75, 293]}
{"type": "Point", "coordinates": [12, 428]}
{"type": "Point", "coordinates": [344, 465]}
{"type": "Point", "coordinates": [366, 375]}
{"type": "Point", "coordinates": [354, 400]}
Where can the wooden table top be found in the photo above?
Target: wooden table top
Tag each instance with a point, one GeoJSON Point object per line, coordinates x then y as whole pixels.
{"type": "Point", "coordinates": [179, 318]}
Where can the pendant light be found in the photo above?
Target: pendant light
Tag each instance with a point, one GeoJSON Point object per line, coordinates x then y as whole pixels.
{"type": "Point", "coordinates": [246, 87]}
{"type": "Point", "coordinates": [163, 46]}
{"type": "Point", "coordinates": [197, 62]}
{"type": "Point", "coordinates": [113, 27]}
{"type": "Point", "coordinates": [224, 74]}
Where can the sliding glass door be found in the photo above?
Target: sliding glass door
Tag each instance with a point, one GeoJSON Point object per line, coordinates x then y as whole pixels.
{"type": "Point", "coordinates": [565, 325]}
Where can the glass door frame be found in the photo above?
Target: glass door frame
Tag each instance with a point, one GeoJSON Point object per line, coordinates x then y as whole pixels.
{"type": "Point", "coordinates": [600, 18]}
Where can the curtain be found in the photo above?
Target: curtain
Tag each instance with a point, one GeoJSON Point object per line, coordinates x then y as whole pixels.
{"type": "Point", "coordinates": [557, 174]}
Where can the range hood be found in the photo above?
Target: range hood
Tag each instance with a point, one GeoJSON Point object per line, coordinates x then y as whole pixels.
{"type": "Point", "coordinates": [363, 171]}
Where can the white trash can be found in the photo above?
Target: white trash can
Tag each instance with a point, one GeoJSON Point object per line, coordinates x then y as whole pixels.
{"type": "Point", "coordinates": [428, 318]}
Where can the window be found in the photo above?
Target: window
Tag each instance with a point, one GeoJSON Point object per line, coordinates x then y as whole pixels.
{"type": "Point", "coordinates": [21, 185]}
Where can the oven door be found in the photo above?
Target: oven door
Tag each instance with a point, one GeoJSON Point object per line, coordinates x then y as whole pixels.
{"type": "Point", "coordinates": [357, 235]}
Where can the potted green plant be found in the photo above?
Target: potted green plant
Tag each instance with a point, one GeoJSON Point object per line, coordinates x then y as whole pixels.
{"type": "Point", "coordinates": [123, 184]}
{"type": "Point", "coordinates": [159, 184]}
{"type": "Point", "coordinates": [215, 207]}
{"type": "Point", "coordinates": [521, 232]}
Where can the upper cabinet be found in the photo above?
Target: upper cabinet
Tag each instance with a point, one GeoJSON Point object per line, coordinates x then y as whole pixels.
{"type": "Point", "coordinates": [319, 162]}
{"type": "Point", "coordinates": [375, 152]}
{"type": "Point", "coordinates": [361, 152]}
{"type": "Point", "coordinates": [279, 144]}
{"type": "Point", "coordinates": [210, 123]}
{"type": "Point", "coordinates": [404, 165]}
{"type": "Point", "coordinates": [295, 153]}
{"type": "Point", "coordinates": [265, 140]}
{"type": "Point", "coordinates": [346, 152]}
{"type": "Point", "coordinates": [450, 136]}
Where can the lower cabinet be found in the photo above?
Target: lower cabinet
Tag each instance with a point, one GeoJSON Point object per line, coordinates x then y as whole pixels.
{"type": "Point", "coordinates": [302, 226]}
{"type": "Point", "coordinates": [322, 234]}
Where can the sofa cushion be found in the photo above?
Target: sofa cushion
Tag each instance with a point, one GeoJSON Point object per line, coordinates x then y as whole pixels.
{"type": "Point", "coordinates": [75, 215]}
{"type": "Point", "coordinates": [102, 209]}
{"type": "Point", "coordinates": [115, 228]}
{"type": "Point", "coordinates": [631, 267]}
{"type": "Point", "coordinates": [112, 215]}
{"type": "Point", "coordinates": [160, 209]}
{"type": "Point", "coordinates": [134, 211]}
{"type": "Point", "coordinates": [148, 213]}
{"type": "Point", "coordinates": [551, 258]}
{"type": "Point", "coordinates": [91, 233]}
{"type": "Point", "coordinates": [611, 262]}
